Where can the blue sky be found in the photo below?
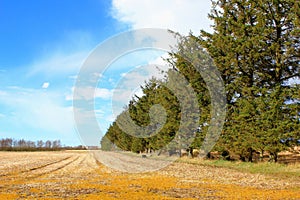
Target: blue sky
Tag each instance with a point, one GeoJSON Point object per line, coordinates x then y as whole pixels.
{"type": "Point", "coordinates": [43, 45]}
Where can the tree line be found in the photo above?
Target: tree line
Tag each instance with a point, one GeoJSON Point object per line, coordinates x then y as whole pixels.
{"type": "Point", "coordinates": [10, 144]}
{"type": "Point", "coordinates": [255, 46]}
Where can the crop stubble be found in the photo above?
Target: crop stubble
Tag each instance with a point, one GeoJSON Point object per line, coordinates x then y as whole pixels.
{"type": "Point", "coordinates": [78, 175]}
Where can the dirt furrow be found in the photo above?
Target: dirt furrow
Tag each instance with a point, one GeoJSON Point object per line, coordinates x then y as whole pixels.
{"type": "Point", "coordinates": [36, 172]}
{"type": "Point", "coordinates": [57, 168]}
{"type": "Point", "coordinates": [33, 168]}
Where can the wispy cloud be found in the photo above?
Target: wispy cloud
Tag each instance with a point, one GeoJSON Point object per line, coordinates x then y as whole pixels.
{"type": "Point", "coordinates": [38, 110]}
{"type": "Point", "coordinates": [131, 82]}
{"type": "Point", "coordinates": [62, 57]}
{"type": "Point", "coordinates": [58, 64]}
{"type": "Point", "coordinates": [89, 93]}
{"type": "Point", "coordinates": [27, 100]}
{"type": "Point", "coordinates": [73, 77]}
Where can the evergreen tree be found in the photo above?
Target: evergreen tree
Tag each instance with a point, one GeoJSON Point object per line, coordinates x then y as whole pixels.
{"type": "Point", "coordinates": [255, 45]}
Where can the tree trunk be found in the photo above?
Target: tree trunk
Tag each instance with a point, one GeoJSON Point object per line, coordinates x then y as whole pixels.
{"type": "Point", "coordinates": [275, 157]}
{"type": "Point", "coordinates": [250, 157]}
{"type": "Point", "coordinates": [261, 156]}
{"type": "Point", "coordinates": [191, 152]}
{"type": "Point", "coordinates": [242, 158]}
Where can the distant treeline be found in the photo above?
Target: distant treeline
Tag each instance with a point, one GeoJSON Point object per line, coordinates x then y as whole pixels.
{"type": "Point", "coordinates": [9, 144]}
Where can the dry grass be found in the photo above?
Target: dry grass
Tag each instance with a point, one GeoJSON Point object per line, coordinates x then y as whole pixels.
{"type": "Point", "coordinates": [275, 170]}
{"type": "Point", "coordinates": [76, 175]}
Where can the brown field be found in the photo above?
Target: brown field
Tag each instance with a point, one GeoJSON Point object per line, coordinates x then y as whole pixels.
{"type": "Point", "coordinates": [78, 175]}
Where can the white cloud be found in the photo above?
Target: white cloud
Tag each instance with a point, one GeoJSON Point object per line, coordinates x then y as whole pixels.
{"type": "Point", "coordinates": [111, 81]}
{"type": "Point", "coordinates": [160, 60]}
{"type": "Point", "coordinates": [35, 111]}
{"type": "Point", "coordinates": [69, 97]}
{"type": "Point", "coordinates": [89, 93]}
{"type": "Point", "coordinates": [74, 77]}
{"type": "Point", "coordinates": [177, 15]}
{"type": "Point", "coordinates": [102, 93]}
{"type": "Point", "coordinates": [45, 85]}
{"type": "Point", "coordinates": [98, 75]}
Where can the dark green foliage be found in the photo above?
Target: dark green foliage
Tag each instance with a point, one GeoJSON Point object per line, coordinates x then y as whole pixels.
{"type": "Point", "coordinates": [255, 45]}
{"type": "Point", "coordinates": [106, 144]}
{"type": "Point", "coordinates": [256, 48]}
{"type": "Point", "coordinates": [138, 108]}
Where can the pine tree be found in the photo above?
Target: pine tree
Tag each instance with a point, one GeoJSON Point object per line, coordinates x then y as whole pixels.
{"type": "Point", "coordinates": [255, 45]}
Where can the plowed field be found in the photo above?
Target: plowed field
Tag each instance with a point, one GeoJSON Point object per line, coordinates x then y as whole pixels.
{"type": "Point", "coordinates": [79, 175]}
